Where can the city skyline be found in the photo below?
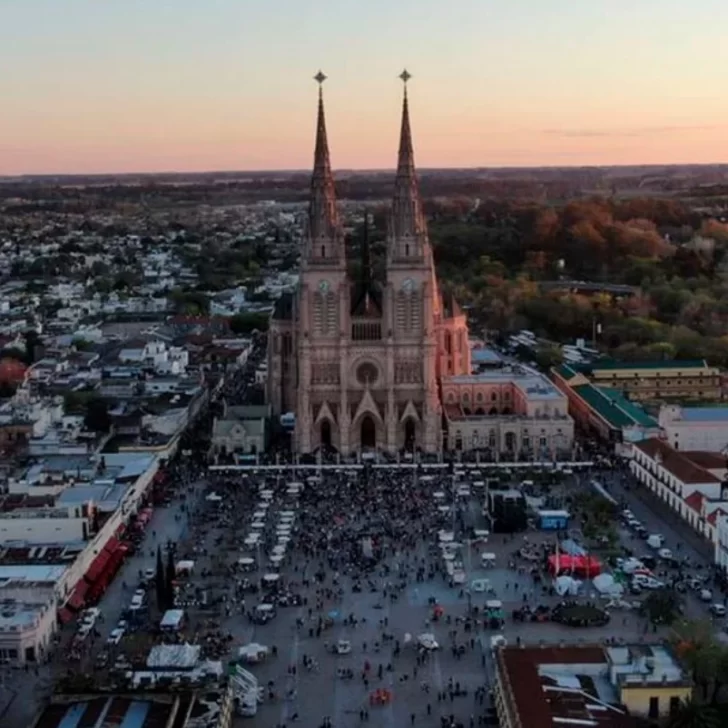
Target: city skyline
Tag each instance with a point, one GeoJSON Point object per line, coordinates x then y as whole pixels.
{"type": "Point", "coordinates": [129, 88]}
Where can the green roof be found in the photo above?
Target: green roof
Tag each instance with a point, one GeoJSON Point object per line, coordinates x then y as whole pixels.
{"type": "Point", "coordinates": [565, 371]}
{"type": "Point", "coordinates": [614, 407]}
{"type": "Point", "coordinates": [671, 364]}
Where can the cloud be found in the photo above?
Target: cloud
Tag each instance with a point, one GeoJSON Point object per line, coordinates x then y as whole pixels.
{"type": "Point", "coordinates": [622, 133]}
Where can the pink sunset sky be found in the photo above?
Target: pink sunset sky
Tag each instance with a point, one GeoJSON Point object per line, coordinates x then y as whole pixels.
{"type": "Point", "coordinates": [141, 86]}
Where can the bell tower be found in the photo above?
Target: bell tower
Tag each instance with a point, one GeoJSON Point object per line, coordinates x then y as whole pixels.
{"type": "Point", "coordinates": [324, 242]}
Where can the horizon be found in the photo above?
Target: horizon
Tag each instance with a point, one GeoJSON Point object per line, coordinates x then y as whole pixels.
{"type": "Point", "coordinates": [124, 88]}
{"type": "Point", "coordinates": [350, 170]}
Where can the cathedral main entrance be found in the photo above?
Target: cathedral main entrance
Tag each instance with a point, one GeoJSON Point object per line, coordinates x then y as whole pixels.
{"type": "Point", "coordinates": [409, 435]}
{"type": "Point", "coordinates": [368, 434]}
{"type": "Point", "coordinates": [326, 435]}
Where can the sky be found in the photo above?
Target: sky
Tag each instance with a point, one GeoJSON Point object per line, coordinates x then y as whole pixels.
{"type": "Point", "coordinates": [98, 86]}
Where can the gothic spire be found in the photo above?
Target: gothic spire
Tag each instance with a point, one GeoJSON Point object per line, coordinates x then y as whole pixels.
{"type": "Point", "coordinates": [406, 157]}
{"type": "Point", "coordinates": [366, 269]}
{"type": "Point", "coordinates": [406, 209]}
{"type": "Point", "coordinates": [323, 217]}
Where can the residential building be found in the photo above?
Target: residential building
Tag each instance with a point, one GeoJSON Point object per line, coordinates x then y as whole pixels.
{"type": "Point", "coordinates": [612, 687]}
{"type": "Point", "coordinates": [721, 543]}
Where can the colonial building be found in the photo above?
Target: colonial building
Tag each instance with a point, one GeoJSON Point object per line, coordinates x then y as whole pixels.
{"type": "Point", "coordinates": [659, 381]}
{"type": "Point", "coordinates": [512, 411]}
{"type": "Point", "coordinates": [360, 362]}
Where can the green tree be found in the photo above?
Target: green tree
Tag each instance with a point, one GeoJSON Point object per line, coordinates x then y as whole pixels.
{"type": "Point", "coordinates": [247, 322]}
{"type": "Point", "coordinates": [693, 714]}
{"type": "Point", "coordinates": [97, 417]}
{"type": "Point", "coordinates": [661, 606]}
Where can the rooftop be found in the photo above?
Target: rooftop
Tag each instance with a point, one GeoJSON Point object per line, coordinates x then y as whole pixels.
{"type": "Point", "coordinates": [614, 407]}
{"type": "Point", "coordinates": [611, 364]}
{"type": "Point", "coordinates": [532, 384]}
{"type": "Point", "coordinates": [704, 414]}
{"type": "Point", "coordinates": [112, 712]}
{"type": "Point", "coordinates": [562, 685]}
{"type": "Point", "coordinates": [681, 465]}
{"type": "Point", "coordinates": [16, 615]}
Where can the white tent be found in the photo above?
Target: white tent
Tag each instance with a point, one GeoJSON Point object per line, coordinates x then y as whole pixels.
{"type": "Point", "coordinates": [605, 585]}
{"type": "Point", "coordinates": [566, 585]}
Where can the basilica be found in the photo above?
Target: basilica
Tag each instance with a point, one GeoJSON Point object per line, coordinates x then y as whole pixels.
{"type": "Point", "coordinates": [385, 364]}
{"type": "Point", "coordinates": [359, 361]}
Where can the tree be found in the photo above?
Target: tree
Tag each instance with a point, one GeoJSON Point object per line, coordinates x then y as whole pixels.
{"type": "Point", "coordinates": [247, 322]}
{"type": "Point", "coordinates": [661, 606]}
{"type": "Point", "coordinates": [693, 714]}
{"type": "Point", "coordinates": [97, 417]}
{"type": "Point", "coordinates": [160, 583]}
{"type": "Point", "coordinates": [548, 356]}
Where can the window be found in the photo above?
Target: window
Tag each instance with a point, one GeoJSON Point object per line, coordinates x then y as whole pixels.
{"type": "Point", "coordinates": [406, 250]}
{"type": "Point", "coordinates": [542, 442]}
{"type": "Point", "coordinates": [323, 251]}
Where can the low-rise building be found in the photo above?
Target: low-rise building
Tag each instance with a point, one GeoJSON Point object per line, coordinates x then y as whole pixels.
{"type": "Point", "coordinates": [613, 687]}
{"type": "Point", "coordinates": [603, 412]}
{"type": "Point", "coordinates": [511, 411]}
{"type": "Point", "coordinates": [689, 482]}
{"type": "Point", "coordinates": [241, 430]}
{"type": "Point", "coordinates": [659, 380]}
{"type": "Point", "coordinates": [695, 428]}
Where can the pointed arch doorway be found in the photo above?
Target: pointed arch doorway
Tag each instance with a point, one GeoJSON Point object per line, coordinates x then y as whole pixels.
{"type": "Point", "coordinates": [326, 434]}
{"type": "Point", "coordinates": [368, 434]}
{"type": "Point", "coordinates": [410, 435]}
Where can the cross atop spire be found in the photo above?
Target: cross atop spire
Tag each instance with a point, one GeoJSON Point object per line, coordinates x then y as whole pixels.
{"type": "Point", "coordinates": [406, 212]}
{"type": "Point", "coordinates": [323, 217]}
{"type": "Point", "coordinates": [406, 159]}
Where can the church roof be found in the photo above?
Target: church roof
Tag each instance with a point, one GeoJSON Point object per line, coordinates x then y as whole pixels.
{"type": "Point", "coordinates": [283, 310]}
{"type": "Point", "coordinates": [366, 299]}
{"type": "Point", "coordinates": [451, 308]}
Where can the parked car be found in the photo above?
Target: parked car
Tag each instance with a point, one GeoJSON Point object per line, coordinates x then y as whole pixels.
{"type": "Point", "coordinates": [115, 636]}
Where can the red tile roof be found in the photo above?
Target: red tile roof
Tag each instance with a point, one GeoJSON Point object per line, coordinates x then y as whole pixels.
{"type": "Point", "coordinates": [695, 501]}
{"type": "Point", "coordinates": [535, 709]}
{"type": "Point", "coordinates": [713, 517]}
{"type": "Point", "coordinates": [707, 460]}
{"type": "Point", "coordinates": [677, 463]}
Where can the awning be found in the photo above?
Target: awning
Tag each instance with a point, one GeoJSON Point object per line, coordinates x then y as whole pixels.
{"type": "Point", "coordinates": [77, 598]}
{"type": "Point", "coordinates": [112, 545]}
{"type": "Point", "coordinates": [65, 615]}
{"type": "Point", "coordinates": [97, 566]}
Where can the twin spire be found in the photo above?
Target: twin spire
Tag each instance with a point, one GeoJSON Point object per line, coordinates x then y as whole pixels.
{"type": "Point", "coordinates": [407, 216]}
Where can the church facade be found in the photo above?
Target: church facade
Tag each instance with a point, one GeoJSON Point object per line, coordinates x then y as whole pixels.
{"type": "Point", "coordinates": [360, 362]}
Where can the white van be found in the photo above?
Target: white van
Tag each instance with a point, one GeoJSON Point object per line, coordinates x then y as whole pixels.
{"type": "Point", "coordinates": [487, 560]}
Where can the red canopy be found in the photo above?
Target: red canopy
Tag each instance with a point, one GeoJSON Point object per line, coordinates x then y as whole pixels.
{"type": "Point", "coordinates": [588, 566]}
{"type": "Point", "coordinates": [97, 566]}
{"type": "Point", "coordinates": [65, 615]}
{"type": "Point", "coordinates": [77, 598]}
{"type": "Point", "coordinates": [111, 545]}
